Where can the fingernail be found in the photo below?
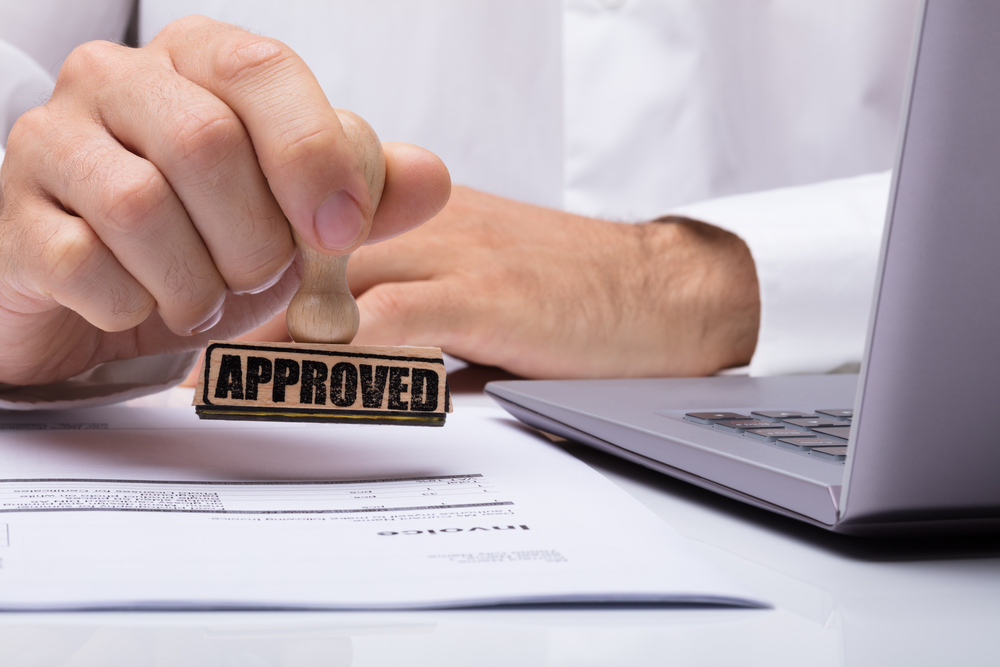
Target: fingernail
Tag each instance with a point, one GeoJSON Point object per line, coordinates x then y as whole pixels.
{"type": "Point", "coordinates": [269, 283]}
{"type": "Point", "coordinates": [339, 222]}
{"type": "Point", "coordinates": [212, 320]}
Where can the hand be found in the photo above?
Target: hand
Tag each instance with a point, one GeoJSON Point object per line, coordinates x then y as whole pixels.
{"type": "Point", "coordinates": [146, 207]}
{"type": "Point", "coordinates": [547, 294]}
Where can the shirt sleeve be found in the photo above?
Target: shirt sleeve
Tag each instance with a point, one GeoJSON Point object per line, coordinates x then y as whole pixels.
{"type": "Point", "coordinates": [108, 383]}
{"type": "Point", "coordinates": [23, 85]}
{"type": "Point", "coordinates": [816, 250]}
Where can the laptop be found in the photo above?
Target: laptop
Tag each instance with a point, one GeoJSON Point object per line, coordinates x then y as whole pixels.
{"type": "Point", "coordinates": [911, 444]}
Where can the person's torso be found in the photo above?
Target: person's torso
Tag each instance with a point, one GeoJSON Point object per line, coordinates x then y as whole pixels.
{"type": "Point", "coordinates": [617, 108]}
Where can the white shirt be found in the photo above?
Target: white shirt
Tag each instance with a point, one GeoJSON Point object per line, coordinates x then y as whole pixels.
{"type": "Point", "coordinates": [622, 109]}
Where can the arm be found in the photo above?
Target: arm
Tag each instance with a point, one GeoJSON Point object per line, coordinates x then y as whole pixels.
{"type": "Point", "coordinates": [549, 294]}
{"type": "Point", "coordinates": [780, 280]}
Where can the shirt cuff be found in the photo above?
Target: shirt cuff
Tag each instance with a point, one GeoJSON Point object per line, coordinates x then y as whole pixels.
{"type": "Point", "coordinates": [816, 251]}
{"type": "Point", "coordinates": [112, 382]}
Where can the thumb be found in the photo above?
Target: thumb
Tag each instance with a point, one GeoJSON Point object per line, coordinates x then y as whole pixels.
{"type": "Point", "coordinates": [325, 234]}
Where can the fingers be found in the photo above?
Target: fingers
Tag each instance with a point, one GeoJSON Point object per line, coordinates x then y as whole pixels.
{"type": "Point", "coordinates": [54, 256]}
{"type": "Point", "coordinates": [167, 176]}
{"type": "Point", "coordinates": [207, 134]}
{"type": "Point", "coordinates": [199, 146]}
{"type": "Point", "coordinates": [76, 270]}
{"type": "Point", "coordinates": [142, 223]}
{"type": "Point", "coordinates": [417, 187]}
{"type": "Point", "coordinates": [462, 317]}
{"type": "Point", "coordinates": [407, 259]}
{"type": "Point", "coordinates": [422, 313]}
{"type": "Point", "coordinates": [303, 152]}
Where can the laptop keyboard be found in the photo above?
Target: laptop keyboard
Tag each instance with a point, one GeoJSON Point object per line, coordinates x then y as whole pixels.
{"type": "Point", "coordinates": [821, 433]}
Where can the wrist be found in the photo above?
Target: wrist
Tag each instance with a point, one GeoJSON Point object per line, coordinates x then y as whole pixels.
{"type": "Point", "coordinates": [702, 285]}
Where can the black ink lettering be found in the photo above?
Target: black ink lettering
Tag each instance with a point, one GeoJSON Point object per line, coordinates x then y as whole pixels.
{"type": "Point", "coordinates": [507, 528]}
{"type": "Point", "coordinates": [230, 377]}
{"type": "Point", "coordinates": [344, 385]}
{"type": "Point", "coordinates": [373, 389]}
{"type": "Point", "coordinates": [258, 372]}
{"type": "Point", "coordinates": [313, 383]}
{"type": "Point", "coordinates": [477, 528]}
{"type": "Point", "coordinates": [424, 393]}
{"type": "Point", "coordinates": [286, 373]}
{"type": "Point", "coordinates": [396, 388]}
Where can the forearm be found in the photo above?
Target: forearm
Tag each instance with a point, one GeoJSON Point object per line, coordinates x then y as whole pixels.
{"type": "Point", "coordinates": [547, 294]}
{"type": "Point", "coordinates": [695, 305]}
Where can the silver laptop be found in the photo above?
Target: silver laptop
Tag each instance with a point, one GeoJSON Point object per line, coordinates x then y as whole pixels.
{"type": "Point", "coordinates": [912, 444]}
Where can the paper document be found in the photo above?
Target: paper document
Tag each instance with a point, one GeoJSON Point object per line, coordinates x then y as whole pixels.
{"type": "Point", "coordinates": [152, 508]}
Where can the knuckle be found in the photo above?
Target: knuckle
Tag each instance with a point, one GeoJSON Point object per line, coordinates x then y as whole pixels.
{"type": "Point", "coordinates": [69, 256]}
{"type": "Point", "coordinates": [97, 58]}
{"type": "Point", "coordinates": [84, 162]}
{"type": "Point", "coordinates": [73, 258]}
{"type": "Point", "coordinates": [124, 199]}
{"type": "Point", "coordinates": [244, 55]}
{"type": "Point", "coordinates": [127, 308]}
{"type": "Point", "coordinates": [258, 269]}
{"type": "Point", "coordinates": [128, 208]}
{"type": "Point", "coordinates": [204, 138]}
{"type": "Point", "coordinates": [29, 130]}
{"type": "Point", "coordinates": [294, 149]}
{"type": "Point", "coordinates": [188, 291]}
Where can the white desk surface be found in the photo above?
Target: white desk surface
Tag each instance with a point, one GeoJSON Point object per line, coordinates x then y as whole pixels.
{"type": "Point", "coordinates": [838, 601]}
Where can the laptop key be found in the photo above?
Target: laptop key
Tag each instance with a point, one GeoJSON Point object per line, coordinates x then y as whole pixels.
{"type": "Point", "coordinates": [815, 422]}
{"type": "Point", "coordinates": [803, 444]}
{"type": "Point", "coordinates": [843, 432]}
{"type": "Point", "coordinates": [741, 425]}
{"type": "Point", "coordinates": [772, 434]}
{"type": "Point", "coordinates": [778, 415]}
{"type": "Point", "coordinates": [712, 417]}
{"type": "Point", "coordinates": [830, 453]}
{"type": "Point", "coordinates": [839, 413]}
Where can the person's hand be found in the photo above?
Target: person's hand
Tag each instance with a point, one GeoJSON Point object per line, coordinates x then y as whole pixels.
{"type": "Point", "coordinates": [546, 294]}
{"type": "Point", "coordinates": [146, 207]}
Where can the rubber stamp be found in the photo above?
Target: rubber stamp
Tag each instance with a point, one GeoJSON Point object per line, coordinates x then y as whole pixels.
{"type": "Point", "coordinates": [321, 377]}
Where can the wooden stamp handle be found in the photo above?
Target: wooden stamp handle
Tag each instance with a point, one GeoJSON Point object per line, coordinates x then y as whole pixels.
{"type": "Point", "coordinates": [323, 310]}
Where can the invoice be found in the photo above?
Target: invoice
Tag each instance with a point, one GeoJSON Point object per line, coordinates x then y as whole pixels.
{"type": "Point", "coordinates": [150, 508]}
